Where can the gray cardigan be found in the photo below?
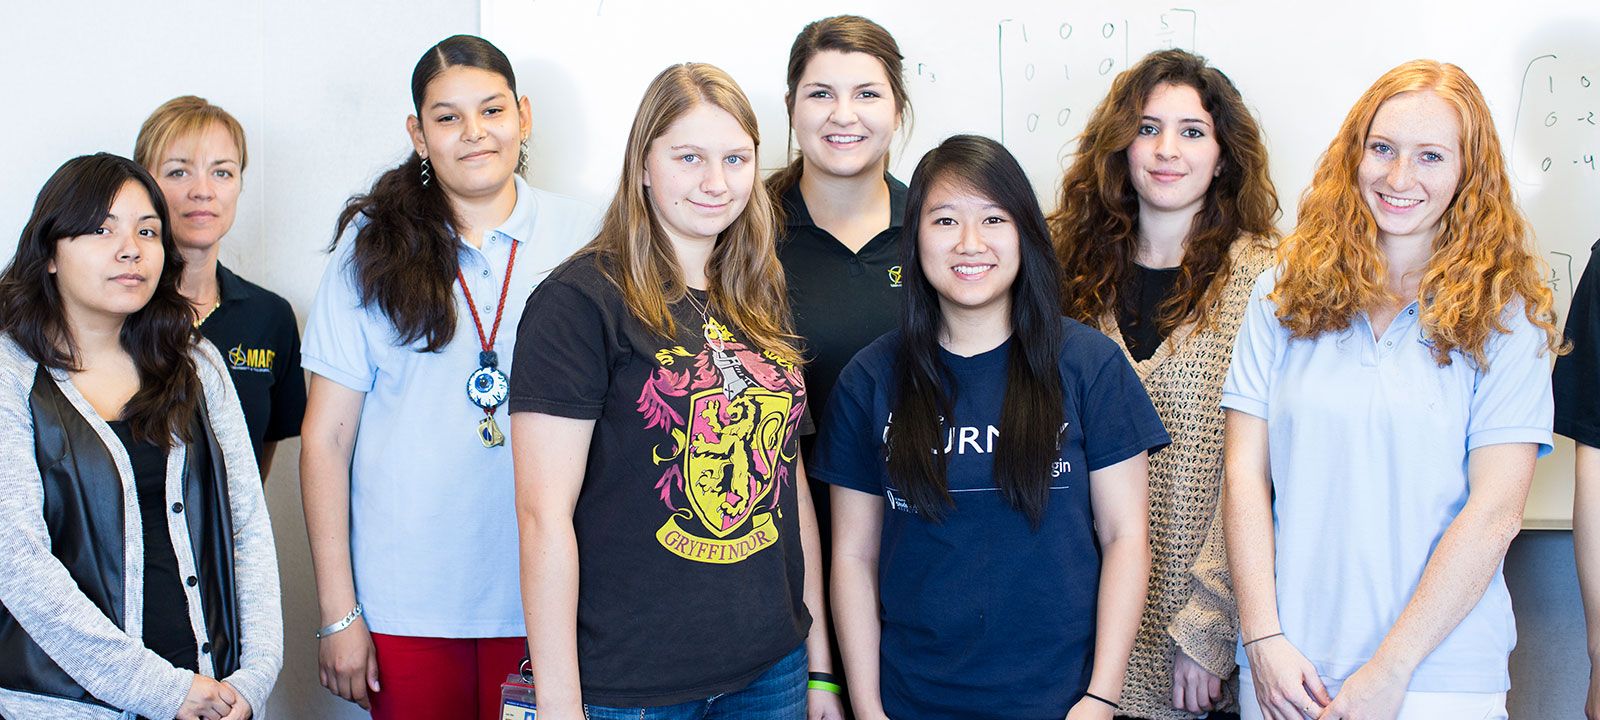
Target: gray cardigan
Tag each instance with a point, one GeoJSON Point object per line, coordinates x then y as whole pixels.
{"type": "Point", "coordinates": [111, 663]}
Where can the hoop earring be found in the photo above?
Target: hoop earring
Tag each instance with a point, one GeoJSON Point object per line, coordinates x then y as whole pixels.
{"type": "Point", "coordinates": [426, 175]}
{"type": "Point", "coordinates": [522, 158]}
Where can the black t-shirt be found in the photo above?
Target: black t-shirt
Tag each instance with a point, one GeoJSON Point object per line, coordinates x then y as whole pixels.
{"type": "Point", "coordinates": [166, 609]}
{"type": "Point", "coordinates": [691, 575]}
{"type": "Point", "coordinates": [255, 331]}
{"type": "Point", "coordinates": [1577, 375]}
{"type": "Point", "coordinates": [1140, 305]}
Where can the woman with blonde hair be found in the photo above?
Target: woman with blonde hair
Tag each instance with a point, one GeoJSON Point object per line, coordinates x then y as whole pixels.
{"type": "Point", "coordinates": [197, 153]}
{"type": "Point", "coordinates": [1165, 221]}
{"type": "Point", "coordinates": [1397, 366]}
{"type": "Point", "coordinates": [669, 551]}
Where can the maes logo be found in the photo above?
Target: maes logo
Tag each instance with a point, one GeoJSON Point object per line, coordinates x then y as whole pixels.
{"type": "Point", "coordinates": [240, 358]}
{"type": "Point", "coordinates": [894, 276]}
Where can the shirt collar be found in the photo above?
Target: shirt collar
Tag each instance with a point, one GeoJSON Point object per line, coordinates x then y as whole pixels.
{"type": "Point", "coordinates": [795, 212]}
{"type": "Point", "coordinates": [229, 286]}
{"type": "Point", "coordinates": [519, 225]}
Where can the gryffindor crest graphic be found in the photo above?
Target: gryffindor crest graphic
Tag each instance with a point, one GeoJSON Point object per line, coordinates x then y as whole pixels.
{"type": "Point", "coordinates": [728, 458]}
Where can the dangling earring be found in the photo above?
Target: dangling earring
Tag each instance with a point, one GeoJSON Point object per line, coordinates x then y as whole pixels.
{"type": "Point", "coordinates": [522, 158]}
{"type": "Point", "coordinates": [426, 175]}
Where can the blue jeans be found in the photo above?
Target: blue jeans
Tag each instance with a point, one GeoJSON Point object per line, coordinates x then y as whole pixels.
{"type": "Point", "coordinates": [778, 694]}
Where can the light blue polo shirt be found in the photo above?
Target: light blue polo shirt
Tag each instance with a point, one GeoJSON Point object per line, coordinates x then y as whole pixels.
{"type": "Point", "coordinates": [1368, 440]}
{"type": "Point", "coordinates": [433, 532]}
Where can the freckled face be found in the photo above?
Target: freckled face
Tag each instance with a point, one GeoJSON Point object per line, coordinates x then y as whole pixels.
{"type": "Point", "coordinates": [1411, 165]}
{"type": "Point", "coordinates": [969, 251]}
{"type": "Point", "coordinates": [699, 174]}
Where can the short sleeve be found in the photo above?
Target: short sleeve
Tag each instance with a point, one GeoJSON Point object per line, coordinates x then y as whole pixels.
{"type": "Point", "coordinates": [1118, 420]}
{"type": "Point", "coordinates": [289, 387]}
{"type": "Point", "coordinates": [1512, 402]}
{"type": "Point", "coordinates": [848, 452]}
{"type": "Point", "coordinates": [1577, 374]}
{"type": "Point", "coordinates": [1255, 351]}
{"type": "Point", "coordinates": [562, 363]}
{"type": "Point", "coordinates": [338, 343]}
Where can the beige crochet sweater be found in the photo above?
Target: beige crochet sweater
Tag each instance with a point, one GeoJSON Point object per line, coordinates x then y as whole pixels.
{"type": "Point", "coordinates": [1184, 380]}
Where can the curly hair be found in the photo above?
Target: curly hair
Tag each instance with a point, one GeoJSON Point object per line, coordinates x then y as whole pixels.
{"type": "Point", "coordinates": [1483, 257]}
{"type": "Point", "coordinates": [1096, 226]}
{"type": "Point", "coordinates": [746, 280]}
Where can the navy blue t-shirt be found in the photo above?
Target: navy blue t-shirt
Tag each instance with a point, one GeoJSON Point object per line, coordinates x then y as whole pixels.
{"type": "Point", "coordinates": [984, 617]}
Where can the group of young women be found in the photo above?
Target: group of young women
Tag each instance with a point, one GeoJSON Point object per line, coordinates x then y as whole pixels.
{"type": "Point", "coordinates": [1048, 453]}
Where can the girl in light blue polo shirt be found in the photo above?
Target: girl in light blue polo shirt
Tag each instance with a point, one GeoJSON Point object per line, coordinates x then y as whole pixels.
{"type": "Point", "coordinates": [1388, 396]}
{"type": "Point", "coordinates": [406, 479]}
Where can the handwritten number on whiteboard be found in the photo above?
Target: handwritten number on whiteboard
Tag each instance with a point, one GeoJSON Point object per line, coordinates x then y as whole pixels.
{"type": "Point", "coordinates": [1550, 119]}
{"type": "Point", "coordinates": [1545, 165]}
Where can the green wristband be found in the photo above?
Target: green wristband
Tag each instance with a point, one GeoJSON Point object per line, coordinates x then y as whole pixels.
{"type": "Point", "coordinates": [824, 685]}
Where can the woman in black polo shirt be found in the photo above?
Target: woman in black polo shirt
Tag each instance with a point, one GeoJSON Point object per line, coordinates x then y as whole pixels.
{"type": "Point", "coordinates": [196, 152]}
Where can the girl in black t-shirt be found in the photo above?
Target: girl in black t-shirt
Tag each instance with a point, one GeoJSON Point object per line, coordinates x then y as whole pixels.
{"type": "Point", "coordinates": [668, 544]}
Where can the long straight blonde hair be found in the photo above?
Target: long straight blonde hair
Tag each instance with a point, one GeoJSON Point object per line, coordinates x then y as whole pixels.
{"type": "Point", "coordinates": [746, 282]}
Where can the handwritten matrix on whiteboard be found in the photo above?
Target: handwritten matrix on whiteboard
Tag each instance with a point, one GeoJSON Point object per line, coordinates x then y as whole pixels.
{"type": "Point", "coordinates": [1555, 152]}
{"type": "Point", "coordinates": [1053, 71]}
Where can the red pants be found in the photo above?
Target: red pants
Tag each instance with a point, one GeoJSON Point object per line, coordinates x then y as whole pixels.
{"type": "Point", "coordinates": [442, 678]}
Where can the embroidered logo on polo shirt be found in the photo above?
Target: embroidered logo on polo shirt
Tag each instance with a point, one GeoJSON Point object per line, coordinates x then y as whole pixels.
{"type": "Point", "coordinates": [894, 276]}
{"type": "Point", "coordinates": [242, 358]}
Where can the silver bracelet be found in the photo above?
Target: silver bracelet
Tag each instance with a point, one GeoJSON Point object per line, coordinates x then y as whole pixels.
{"type": "Point", "coordinates": [341, 624]}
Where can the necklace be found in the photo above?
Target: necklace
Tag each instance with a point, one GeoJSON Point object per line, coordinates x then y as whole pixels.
{"type": "Point", "coordinates": [202, 319]}
{"type": "Point", "coordinates": [735, 379]}
{"type": "Point", "coordinates": [713, 337]}
{"type": "Point", "coordinates": [487, 387]}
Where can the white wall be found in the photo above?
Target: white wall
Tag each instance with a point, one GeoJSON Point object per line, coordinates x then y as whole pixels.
{"type": "Point", "coordinates": [322, 88]}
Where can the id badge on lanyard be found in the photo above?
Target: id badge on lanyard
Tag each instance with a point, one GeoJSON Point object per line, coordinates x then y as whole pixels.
{"type": "Point", "coordinates": [516, 695]}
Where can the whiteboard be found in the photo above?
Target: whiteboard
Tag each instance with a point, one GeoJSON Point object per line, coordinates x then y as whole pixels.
{"type": "Point", "coordinates": [1029, 72]}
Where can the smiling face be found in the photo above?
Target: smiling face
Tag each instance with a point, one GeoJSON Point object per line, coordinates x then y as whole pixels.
{"type": "Point", "coordinates": [844, 114]}
{"type": "Point", "coordinates": [199, 175]}
{"type": "Point", "coordinates": [969, 251]}
{"type": "Point", "coordinates": [1411, 166]}
{"type": "Point", "coordinates": [1175, 155]}
{"type": "Point", "coordinates": [111, 272]}
{"type": "Point", "coordinates": [470, 131]}
{"type": "Point", "coordinates": [699, 174]}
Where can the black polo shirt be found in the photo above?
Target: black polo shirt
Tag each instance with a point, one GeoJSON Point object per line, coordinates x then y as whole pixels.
{"type": "Point", "coordinates": [1577, 375]}
{"type": "Point", "coordinates": [841, 300]}
{"type": "Point", "coordinates": [254, 329]}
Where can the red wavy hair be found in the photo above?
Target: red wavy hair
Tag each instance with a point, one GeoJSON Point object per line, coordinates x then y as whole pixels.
{"type": "Point", "coordinates": [1483, 259]}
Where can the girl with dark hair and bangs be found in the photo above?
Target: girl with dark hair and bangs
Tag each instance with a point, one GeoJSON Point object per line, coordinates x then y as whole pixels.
{"type": "Point", "coordinates": [1165, 220]}
{"type": "Point", "coordinates": [988, 461]}
{"type": "Point", "coordinates": [669, 550]}
{"type": "Point", "coordinates": [121, 438]}
{"type": "Point", "coordinates": [406, 484]}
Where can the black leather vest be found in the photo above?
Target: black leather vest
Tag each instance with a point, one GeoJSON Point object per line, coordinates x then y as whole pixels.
{"type": "Point", "coordinates": [83, 512]}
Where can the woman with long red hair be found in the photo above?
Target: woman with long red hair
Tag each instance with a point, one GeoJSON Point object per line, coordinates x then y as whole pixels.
{"type": "Point", "coordinates": [1397, 367]}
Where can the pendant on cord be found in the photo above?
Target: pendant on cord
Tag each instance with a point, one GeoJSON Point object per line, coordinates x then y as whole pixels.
{"type": "Point", "coordinates": [487, 388]}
